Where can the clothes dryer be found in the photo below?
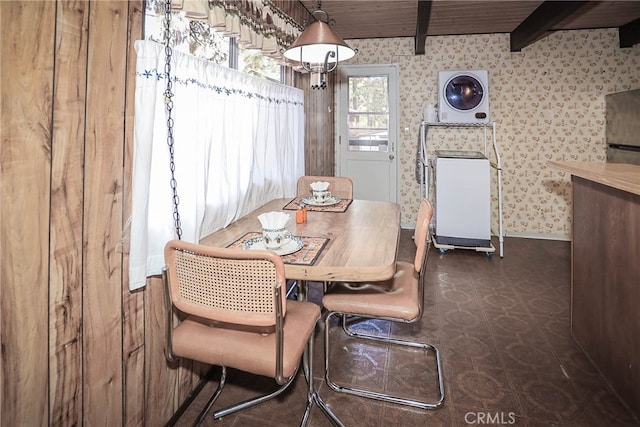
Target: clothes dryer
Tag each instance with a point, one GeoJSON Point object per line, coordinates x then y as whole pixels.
{"type": "Point", "coordinates": [463, 96]}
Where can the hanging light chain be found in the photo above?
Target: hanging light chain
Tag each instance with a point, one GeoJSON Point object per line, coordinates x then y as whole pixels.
{"type": "Point", "coordinates": [168, 100]}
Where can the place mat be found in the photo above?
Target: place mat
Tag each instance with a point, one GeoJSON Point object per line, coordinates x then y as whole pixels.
{"type": "Point", "coordinates": [341, 206]}
{"type": "Point", "coordinates": [305, 256]}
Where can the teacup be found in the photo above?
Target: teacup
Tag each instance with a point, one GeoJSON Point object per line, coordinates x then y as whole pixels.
{"type": "Point", "coordinates": [321, 195]}
{"type": "Point", "coordinates": [275, 239]}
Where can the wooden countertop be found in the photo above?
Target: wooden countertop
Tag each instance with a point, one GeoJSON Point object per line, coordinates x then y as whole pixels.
{"type": "Point", "coordinates": [622, 176]}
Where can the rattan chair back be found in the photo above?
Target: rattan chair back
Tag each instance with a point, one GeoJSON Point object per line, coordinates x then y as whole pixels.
{"type": "Point", "coordinates": [225, 285]}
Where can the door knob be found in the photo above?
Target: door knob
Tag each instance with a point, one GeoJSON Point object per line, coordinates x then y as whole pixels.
{"type": "Point", "coordinates": [391, 157]}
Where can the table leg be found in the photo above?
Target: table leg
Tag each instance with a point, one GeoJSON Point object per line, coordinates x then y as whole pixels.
{"type": "Point", "coordinates": [307, 366]}
{"type": "Point", "coordinates": [312, 396]}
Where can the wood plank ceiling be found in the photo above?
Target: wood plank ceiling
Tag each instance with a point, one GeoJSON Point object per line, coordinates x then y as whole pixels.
{"type": "Point", "coordinates": [525, 21]}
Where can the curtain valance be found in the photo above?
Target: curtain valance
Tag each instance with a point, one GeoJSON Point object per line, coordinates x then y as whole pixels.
{"type": "Point", "coordinates": [270, 26]}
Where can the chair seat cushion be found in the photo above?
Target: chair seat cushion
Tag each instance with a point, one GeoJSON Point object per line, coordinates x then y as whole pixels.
{"type": "Point", "coordinates": [396, 298]}
{"type": "Point", "coordinates": [248, 351]}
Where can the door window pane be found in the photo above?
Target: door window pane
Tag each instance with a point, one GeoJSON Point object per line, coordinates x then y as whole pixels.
{"type": "Point", "coordinates": [368, 117]}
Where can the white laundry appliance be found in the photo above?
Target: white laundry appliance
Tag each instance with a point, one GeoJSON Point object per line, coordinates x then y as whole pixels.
{"type": "Point", "coordinates": [462, 198]}
{"type": "Point", "coordinates": [463, 96]}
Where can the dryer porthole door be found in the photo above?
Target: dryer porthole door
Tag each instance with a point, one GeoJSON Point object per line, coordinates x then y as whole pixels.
{"type": "Point", "coordinates": [463, 93]}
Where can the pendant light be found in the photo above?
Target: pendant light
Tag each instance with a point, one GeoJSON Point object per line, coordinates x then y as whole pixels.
{"type": "Point", "coordinates": [319, 49]}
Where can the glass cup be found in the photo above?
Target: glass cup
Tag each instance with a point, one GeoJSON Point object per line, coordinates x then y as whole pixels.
{"type": "Point", "coordinates": [275, 238]}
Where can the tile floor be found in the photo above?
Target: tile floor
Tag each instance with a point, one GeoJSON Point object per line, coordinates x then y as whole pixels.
{"type": "Point", "coordinates": [502, 327]}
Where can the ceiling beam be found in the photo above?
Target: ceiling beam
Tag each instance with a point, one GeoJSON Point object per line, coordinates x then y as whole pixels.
{"type": "Point", "coordinates": [629, 34]}
{"type": "Point", "coordinates": [422, 25]}
{"type": "Point", "coordinates": [542, 20]}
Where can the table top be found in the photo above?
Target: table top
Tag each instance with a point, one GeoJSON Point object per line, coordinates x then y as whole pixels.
{"type": "Point", "coordinates": [362, 246]}
{"type": "Point", "coordinates": [622, 176]}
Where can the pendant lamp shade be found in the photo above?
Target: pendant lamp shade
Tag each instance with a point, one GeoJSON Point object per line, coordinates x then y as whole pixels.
{"type": "Point", "coordinates": [312, 46]}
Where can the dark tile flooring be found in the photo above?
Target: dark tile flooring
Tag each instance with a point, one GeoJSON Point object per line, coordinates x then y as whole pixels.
{"type": "Point", "coordinates": [502, 327]}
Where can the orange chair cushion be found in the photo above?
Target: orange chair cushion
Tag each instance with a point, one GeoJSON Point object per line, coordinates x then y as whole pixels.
{"type": "Point", "coordinates": [399, 300]}
{"type": "Point", "coordinates": [248, 351]}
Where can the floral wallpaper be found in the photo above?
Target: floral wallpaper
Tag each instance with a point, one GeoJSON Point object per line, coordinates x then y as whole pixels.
{"type": "Point", "coordinates": [547, 102]}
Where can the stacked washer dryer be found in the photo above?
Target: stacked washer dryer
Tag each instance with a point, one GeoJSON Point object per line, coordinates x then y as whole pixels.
{"type": "Point", "coordinates": [462, 179]}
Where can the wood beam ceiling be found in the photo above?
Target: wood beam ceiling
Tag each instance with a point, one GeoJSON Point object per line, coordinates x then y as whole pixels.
{"type": "Point", "coordinates": [629, 34]}
{"type": "Point", "coordinates": [542, 20]}
{"type": "Point", "coordinates": [422, 25]}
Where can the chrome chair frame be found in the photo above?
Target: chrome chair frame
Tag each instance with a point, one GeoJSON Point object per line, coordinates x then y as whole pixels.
{"type": "Point", "coordinates": [346, 316]}
{"type": "Point", "coordinates": [283, 381]}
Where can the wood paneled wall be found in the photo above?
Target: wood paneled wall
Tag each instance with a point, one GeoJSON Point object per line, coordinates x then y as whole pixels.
{"type": "Point", "coordinates": [319, 145]}
{"type": "Point", "coordinates": [25, 206]}
{"type": "Point", "coordinates": [78, 348]}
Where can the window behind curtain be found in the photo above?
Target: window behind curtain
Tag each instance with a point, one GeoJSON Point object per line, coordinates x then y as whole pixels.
{"type": "Point", "coordinates": [238, 142]}
{"type": "Point", "coordinates": [200, 39]}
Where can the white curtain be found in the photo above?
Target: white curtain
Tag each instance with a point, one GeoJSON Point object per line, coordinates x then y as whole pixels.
{"type": "Point", "coordinates": [238, 143]}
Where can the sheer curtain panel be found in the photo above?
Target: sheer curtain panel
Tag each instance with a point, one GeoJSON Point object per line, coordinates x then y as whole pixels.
{"type": "Point", "coordinates": [238, 143]}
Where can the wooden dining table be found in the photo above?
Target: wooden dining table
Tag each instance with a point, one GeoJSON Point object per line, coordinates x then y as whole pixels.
{"type": "Point", "coordinates": [359, 244]}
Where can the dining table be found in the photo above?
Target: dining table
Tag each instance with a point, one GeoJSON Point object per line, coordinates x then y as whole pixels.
{"type": "Point", "coordinates": [352, 240]}
{"type": "Point", "coordinates": [357, 243]}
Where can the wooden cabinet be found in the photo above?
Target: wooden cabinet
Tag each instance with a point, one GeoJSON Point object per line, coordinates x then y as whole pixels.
{"type": "Point", "coordinates": [605, 291]}
{"type": "Point", "coordinates": [605, 285]}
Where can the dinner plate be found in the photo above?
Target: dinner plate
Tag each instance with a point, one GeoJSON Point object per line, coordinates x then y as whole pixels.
{"type": "Point", "coordinates": [293, 245]}
{"type": "Point", "coordinates": [333, 200]}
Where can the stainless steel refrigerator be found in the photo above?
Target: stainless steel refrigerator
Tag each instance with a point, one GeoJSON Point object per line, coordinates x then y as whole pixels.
{"type": "Point", "coordinates": [623, 127]}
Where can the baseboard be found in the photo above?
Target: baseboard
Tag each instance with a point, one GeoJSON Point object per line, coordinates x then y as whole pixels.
{"type": "Point", "coordinates": [525, 235]}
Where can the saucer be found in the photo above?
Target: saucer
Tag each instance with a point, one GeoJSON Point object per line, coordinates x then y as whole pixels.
{"type": "Point", "coordinates": [293, 245]}
{"type": "Point", "coordinates": [332, 200]}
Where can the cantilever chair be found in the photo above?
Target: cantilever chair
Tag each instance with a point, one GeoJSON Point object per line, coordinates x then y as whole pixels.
{"type": "Point", "coordinates": [340, 186]}
{"type": "Point", "coordinates": [399, 299]}
{"type": "Point", "coordinates": [235, 315]}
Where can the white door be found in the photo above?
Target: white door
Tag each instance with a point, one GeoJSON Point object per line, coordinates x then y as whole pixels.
{"type": "Point", "coordinates": [367, 121]}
